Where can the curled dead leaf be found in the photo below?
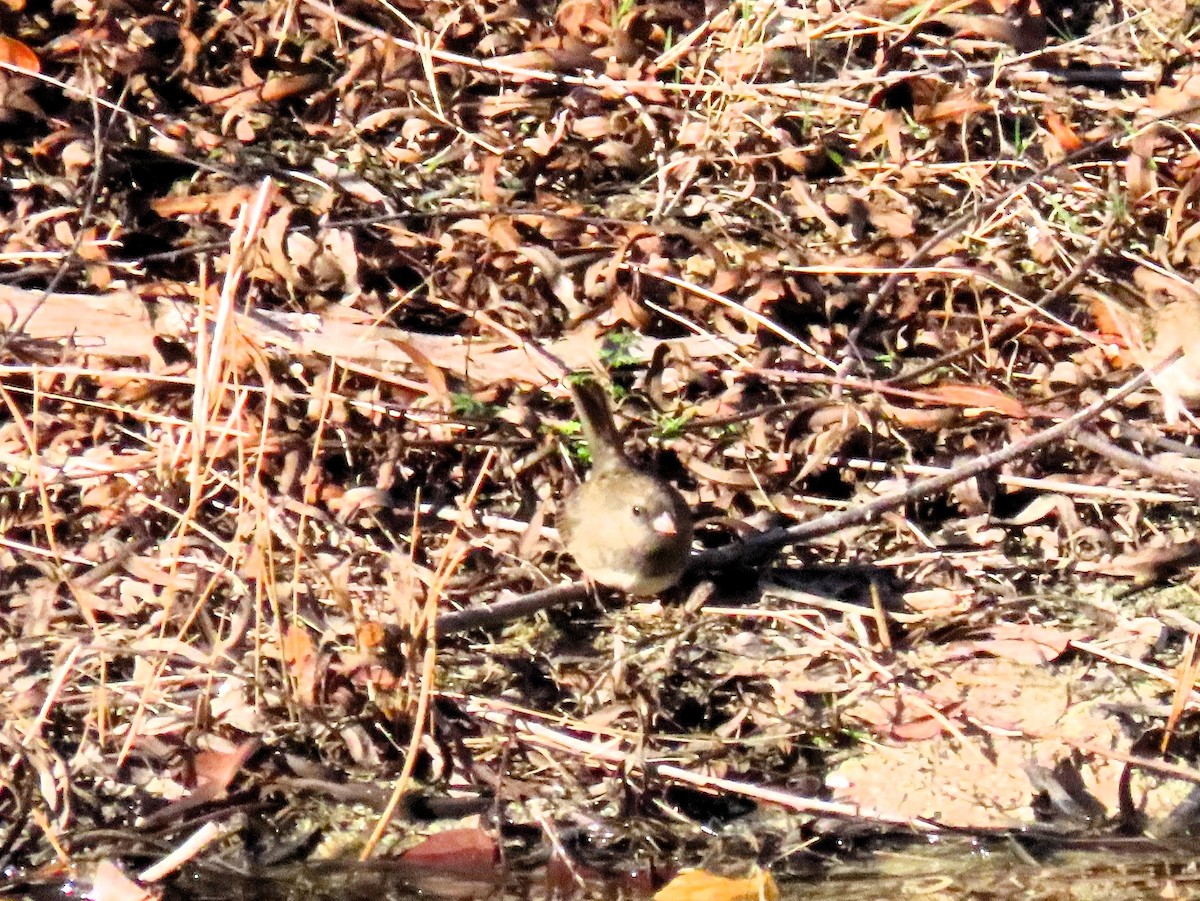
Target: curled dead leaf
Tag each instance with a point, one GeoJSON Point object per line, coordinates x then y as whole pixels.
{"type": "Point", "coordinates": [717, 476]}
{"type": "Point", "coordinates": [18, 55]}
{"type": "Point", "coordinates": [282, 87]}
{"type": "Point", "coordinates": [922, 419]}
{"type": "Point", "coordinates": [976, 399]}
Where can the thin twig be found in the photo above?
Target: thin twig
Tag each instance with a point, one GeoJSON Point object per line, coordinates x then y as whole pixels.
{"type": "Point", "coordinates": [501, 612]}
{"type": "Point", "coordinates": [766, 543]}
{"type": "Point", "coordinates": [1105, 448]}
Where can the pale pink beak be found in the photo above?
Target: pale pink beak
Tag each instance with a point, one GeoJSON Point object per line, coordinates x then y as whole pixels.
{"type": "Point", "coordinates": [663, 524]}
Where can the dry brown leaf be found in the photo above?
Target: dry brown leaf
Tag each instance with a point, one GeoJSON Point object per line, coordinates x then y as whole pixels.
{"type": "Point", "coordinates": [914, 418]}
{"type": "Point", "coordinates": [222, 96]}
{"type": "Point", "coordinates": [337, 262]}
{"type": "Point", "coordinates": [956, 107]}
{"type": "Point", "coordinates": [701, 885]}
{"type": "Point", "coordinates": [1030, 712]}
{"type": "Point", "coordinates": [624, 309]}
{"type": "Point", "coordinates": [820, 446]}
{"type": "Point", "coordinates": [913, 718]}
{"type": "Point", "coordinates": [880, 128]}
{"type": "Point", "coordinates": [463, 850]}
{"type": "Point", "coordinates": [280, 87]}
{"type": "Point", "coordinates": [696, 132]}
{"type": "Point", "coordinates": [938, 602]}
{"type": "Point", "coordinates": [976, 399]}
{"type": "Point", "coordinates": [893, 223]}
{"type": "Point", "coordinates": [18, 55]}
{"type": "Point", "coordinates": [1175, 96]}
{"type": "Point", "coordinates": [225, 204]}
{"type": "Point", "coordinates": [16, 97]}
{"type": "Point", "coordinates": [349, 334]}
{"type": "Point", "coordinates": [1068, 141]}
{"type": "Point", "coordinates": [1175, 326]}
{"type": "Point", "coordinates": [350, 503]}
{"type": "Point", "coordinates": [102, 495]}
{"type": "Point", "coordinates": [1025, 34]}
{"type": "Point", "coordinates": [583, 19]}
{"type": "Point", "coordinates": [1025, 643]}
{"type": "Point", "coordinates": [271, 237]}
{"type": "Point", "coordinates": [116, 324]}
{"type": "Point", "coordinates": [1113, 324]}
{"type": "Point", "coordinates": [1042, 506]}
{"type": "Point", "coordinates": [717, 476]}
{"type": "Point", "coordinates": [300, 657]}
{"type": "Point", "coordinates": [154, 571]}
{"type": "Point", "coordinates": [215, 770]}
{"type": "Point", "coordinates": [1141, 171]}
{"type": "Point", "coordinates": [109, 883]}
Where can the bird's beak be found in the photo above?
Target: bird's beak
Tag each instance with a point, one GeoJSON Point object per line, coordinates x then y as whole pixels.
{"type": "Point", "coordinates": [664, 524]}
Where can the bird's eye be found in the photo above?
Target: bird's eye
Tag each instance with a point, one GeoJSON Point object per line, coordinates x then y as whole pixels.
{"type": "Point", "coordinates": [637, 510]}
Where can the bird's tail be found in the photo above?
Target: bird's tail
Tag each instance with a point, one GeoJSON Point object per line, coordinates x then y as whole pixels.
{"type": "Point", "coordinates": [604, 441]}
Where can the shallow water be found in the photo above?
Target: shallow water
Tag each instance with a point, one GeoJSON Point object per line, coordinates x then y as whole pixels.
{"type": "Point", "coordinates": [940, 870]}
{"type": "Point", "coordinates": [1006, 873]}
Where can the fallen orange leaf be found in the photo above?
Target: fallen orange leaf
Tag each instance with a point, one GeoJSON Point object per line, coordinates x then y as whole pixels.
{"type": "Point", "coordinates": [281, 87]}
{"type": "Point", "coordinates": [216, 769]}
{"type": "Point", "coordinates": [18, 55]}
{"type": "Point", "coordinates": [1063, 133]}
{"type": "Point", "coordinates": [701, 885]}
{"type": "Point", "coordinates": [466, 849]}
{"type": "Point", "coordinates": [300, 656]}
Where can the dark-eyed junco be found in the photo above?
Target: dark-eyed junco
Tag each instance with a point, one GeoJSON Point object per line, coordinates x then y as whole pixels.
{"type": "Point", "coordinates": [626, 529]}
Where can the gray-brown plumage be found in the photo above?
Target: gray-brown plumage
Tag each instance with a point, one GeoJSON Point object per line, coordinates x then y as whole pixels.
{"type": "Point", "coordinates": [626, 529]}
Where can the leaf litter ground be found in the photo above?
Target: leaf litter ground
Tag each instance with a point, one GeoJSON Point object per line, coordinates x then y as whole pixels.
{"type": "Point", "coordinates": [289, 294]}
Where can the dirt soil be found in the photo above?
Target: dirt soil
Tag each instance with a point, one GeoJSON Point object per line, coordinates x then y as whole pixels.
{"type": "Point", "coordinates": [903, 296]}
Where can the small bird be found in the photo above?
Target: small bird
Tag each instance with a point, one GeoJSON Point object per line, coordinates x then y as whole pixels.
{"type": "Point", "coordinates": [626, 529]}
